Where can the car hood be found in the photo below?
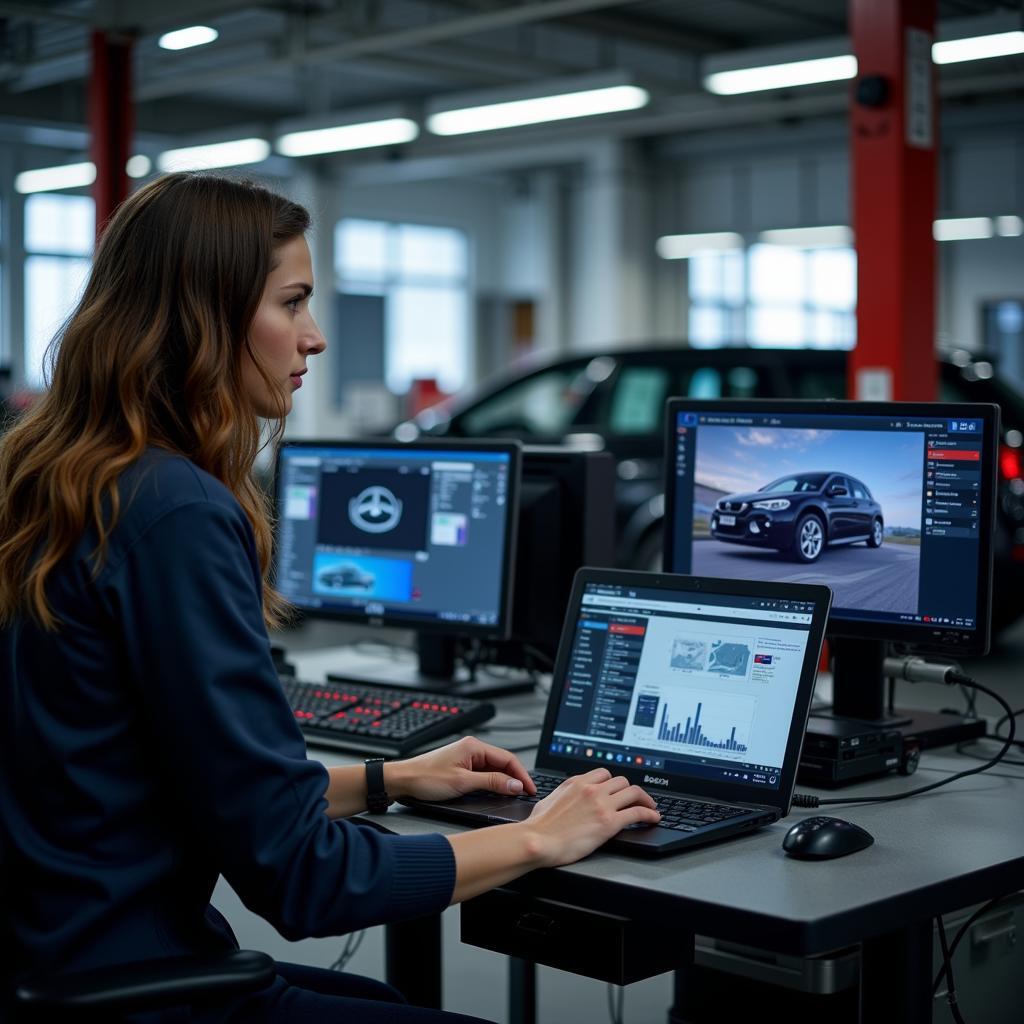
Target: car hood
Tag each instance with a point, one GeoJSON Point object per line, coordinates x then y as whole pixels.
{"type": "Point", "coordinates": [752, 496]}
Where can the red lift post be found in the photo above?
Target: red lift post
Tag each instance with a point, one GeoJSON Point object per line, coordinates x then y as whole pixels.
{"type": "Point", "coordinates": [110, 120]}
{"type": "Point", "coordinates": [893, 149]}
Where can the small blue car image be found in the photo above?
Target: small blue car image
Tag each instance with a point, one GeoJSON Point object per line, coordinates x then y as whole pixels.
{"type": "Point", "coordinates": [347, 576]}
{"type": "Point", "coordinates": [802, 514]}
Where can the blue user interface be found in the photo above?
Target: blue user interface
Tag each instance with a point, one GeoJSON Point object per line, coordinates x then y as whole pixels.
{"type": "Point", "coordinates": [400, 533]}
{"type": "Point", "coordinates": [885, 510]}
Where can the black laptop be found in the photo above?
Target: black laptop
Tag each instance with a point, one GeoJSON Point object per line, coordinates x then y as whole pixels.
{"type": "Point", "coordinates": [697, 689]}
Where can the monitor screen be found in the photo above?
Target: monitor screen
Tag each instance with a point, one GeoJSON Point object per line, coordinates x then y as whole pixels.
{"type": "Point", "coordinates": [889, 504]}
{"type": "Point", "coordinates": [415, 535]}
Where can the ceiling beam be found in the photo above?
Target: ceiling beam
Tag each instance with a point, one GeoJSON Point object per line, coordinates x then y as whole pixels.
{"type": "Point", "coordinates": [387, 41]}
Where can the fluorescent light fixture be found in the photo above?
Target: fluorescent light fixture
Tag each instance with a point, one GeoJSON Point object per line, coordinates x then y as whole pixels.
{"type": "Point", "coordinates": [183, 38]}
{"type": "Point", "coordinates": [1010, 227]}
{"type": "Point", "coordinates": [809, 238]}
{"type": "Point", "coordinates": [557, 106]}
{"type": "Point", "coordinates": [1000, 44]}
{"type": "Point", "coordinates": [216, 154]}
{"type": "Point", "coordinates": [782, 76]}
{"type": "Point", "coordinates": [959, 229]}
{"type": "Point", "coordinates": [138, 166]}
{"type": "Point", "coordinates": [681, 247]}
{"type": "Point", "coordinates": [388, 132]}
{"type": "Point", "coordinates": [51, 179]}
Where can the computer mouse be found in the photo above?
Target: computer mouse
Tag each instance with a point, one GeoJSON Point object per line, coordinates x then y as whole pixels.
{"type": "Point", "coordinates": [823, 838]}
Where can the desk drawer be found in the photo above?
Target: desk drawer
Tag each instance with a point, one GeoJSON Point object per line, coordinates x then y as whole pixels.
{"type": "Point", "coordinates": [603, 946]}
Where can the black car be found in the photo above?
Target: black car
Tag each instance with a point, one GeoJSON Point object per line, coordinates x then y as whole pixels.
{"type": "Point", "coordinates": [803, 513]}
{"type": "Point", "coordinates": [615, 400]}
{"type": "Point", "coordinates": [347, 576]}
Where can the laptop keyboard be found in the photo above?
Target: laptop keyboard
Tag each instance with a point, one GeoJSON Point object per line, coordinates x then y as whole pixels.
{"type": "Point", "coordinates": [678, 814]}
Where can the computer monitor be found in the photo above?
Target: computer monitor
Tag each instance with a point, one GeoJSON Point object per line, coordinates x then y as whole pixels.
{"type": "Point", "coordinates": [416, 535]}
{"type": "Point", "coordinates": [890, 504]}
{"type": "Point", "coordinates": [566, 521]}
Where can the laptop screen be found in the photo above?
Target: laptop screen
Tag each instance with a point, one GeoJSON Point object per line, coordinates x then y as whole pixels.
{"type": "Point", "coordinates": [702, 686]}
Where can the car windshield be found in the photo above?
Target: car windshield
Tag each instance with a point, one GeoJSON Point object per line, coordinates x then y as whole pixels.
{"type": "Point", "coordinates": [804, 482]}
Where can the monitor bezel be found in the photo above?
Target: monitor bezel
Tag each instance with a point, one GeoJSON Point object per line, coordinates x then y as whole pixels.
{"type": "Point", "coordinates": [499, 630]}
{"type": "Point", "coordinates": [677, 583]}
{"type": "Point", "coordinates": [924, 638]}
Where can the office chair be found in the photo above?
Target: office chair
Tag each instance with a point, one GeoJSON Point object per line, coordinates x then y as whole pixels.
{"type": "Point", "coordinates": [102, 994]}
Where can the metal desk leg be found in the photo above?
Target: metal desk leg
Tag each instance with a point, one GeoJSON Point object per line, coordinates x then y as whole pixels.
{"type": "Point", "coordinates": [896, 976]}
{"type": "Point", "coordinates": [413, 960]}
{"type": "Point", "coordinates": [522, 991]}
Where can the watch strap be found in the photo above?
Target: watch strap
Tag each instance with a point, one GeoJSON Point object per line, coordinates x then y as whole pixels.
{"type": "Point", "coordinates": [377, 801]}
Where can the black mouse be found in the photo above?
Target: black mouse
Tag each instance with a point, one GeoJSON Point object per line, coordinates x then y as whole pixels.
{"type": "Point", "coordinates": [823, 838]}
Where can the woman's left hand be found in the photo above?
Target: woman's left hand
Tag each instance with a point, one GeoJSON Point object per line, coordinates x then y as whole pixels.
{"type": "Point", "coordinates": [458, 768]}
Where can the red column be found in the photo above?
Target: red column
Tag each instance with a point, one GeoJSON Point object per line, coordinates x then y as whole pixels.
{"type": "Point", "coordinates": [110, 121]}
{"type": "Point", "coordinates": [893, 148]}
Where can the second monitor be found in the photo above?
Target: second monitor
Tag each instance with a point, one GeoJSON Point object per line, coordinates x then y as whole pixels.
{"type": "Point", "coordinates": [889, 504]}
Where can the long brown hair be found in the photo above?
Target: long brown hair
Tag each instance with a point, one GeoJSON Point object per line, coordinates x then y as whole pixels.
{"type": "Point", "coordinates": [152, 355]}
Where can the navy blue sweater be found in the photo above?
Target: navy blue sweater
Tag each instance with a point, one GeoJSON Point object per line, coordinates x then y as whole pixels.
{"type": "Point", "coordinates": [147, 747]}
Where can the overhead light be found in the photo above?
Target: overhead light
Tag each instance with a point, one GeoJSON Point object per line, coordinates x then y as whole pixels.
{"type": "Point", "coordinates": [782, 76]}
{"type": "Point", "coordinates": [52, 179]}
{"type": "Point", "coordinates": [999, 44]}
{"type": "Point", "coordinates": [216, 154]}
{"type": "Point", "coordinates": [387, 132]}
{"type": "Point", "coordinates": [1010, 227]}
{"type": "Point", "coordinates": [555, 100]}
{"type": "Point", "coordinates": [959, 229]}
{"type": "Point", "coordinates": [809, 238]}
{"type": "Point", "coordinates": [183, 38]}
{"type": "Point", "coordinates": [138, 166]}
{"type": "Point", "coordinates": [681, 247]}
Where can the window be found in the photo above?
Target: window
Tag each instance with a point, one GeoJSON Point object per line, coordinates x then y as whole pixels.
{"type": "Point", "coordinates": [773, 296]}
{"type": "Point", "coordinates": [421, 273]}
{"type": "Point", "coordinates": [59, 236]}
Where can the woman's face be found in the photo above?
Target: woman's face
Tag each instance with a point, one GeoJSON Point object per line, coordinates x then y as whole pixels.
{"type": "Point", "coordinates": [283, 333]}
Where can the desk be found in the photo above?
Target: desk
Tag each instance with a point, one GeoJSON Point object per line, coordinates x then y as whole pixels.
{"type": "Point", "coordinates": [932, 855]}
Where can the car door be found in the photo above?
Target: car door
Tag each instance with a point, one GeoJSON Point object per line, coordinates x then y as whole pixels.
{"type": "Point", "coordinates": [841, 508]}
{"type": "Point", "coordinates": [863, 508]}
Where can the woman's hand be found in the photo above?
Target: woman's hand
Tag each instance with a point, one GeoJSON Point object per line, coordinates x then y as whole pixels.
{"type": "Point", "coordinates": [584, 812]}
{"type": "Point", "coordinates": [456, 769]}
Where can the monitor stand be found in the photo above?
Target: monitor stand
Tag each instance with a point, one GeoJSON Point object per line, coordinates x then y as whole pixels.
{"type": "Point", "coordinates": [438, 671]}
{"type": "Point", "coordinates": [858, 693]}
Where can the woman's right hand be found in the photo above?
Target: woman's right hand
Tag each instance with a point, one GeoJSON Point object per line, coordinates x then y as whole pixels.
{"type": "Point", "coordinates": [584, 812]}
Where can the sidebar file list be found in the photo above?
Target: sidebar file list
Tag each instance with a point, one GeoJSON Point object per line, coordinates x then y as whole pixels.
{"type": "Point", "coordinates": [616, 677]}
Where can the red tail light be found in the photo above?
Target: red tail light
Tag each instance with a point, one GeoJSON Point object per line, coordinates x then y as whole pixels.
{"type": "Point", "coordinates": [1011, 465]}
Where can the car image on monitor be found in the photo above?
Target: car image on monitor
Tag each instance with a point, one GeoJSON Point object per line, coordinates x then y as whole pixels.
{"type": "Point", "coordinates": [802, 514]}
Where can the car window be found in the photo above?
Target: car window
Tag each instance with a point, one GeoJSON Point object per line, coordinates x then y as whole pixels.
{"type": "Point", "coordinates": [860, 491]}
{"type": "Point", "coordinates": [544, 403]}
{"type": "Point", "coordinates": [638, 401]}
{"type": "Point", "coordinates": [796, 484]}
{"type": "Point", "coordinates": [839, 481]}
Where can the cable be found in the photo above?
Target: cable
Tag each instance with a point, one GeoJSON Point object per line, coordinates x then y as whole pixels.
{"type": "Point", "coordinates": [935, 673]}
{"type": "Point", "coordinates": [616, 1003]}
{"type": "Point", "coordinates": [961, 748]}
{"type": "Point", "coordinates": [951, 987]}
{"type": "Point", "coordinates": [980, 912]}
{"type": "Point", "coordinates": [352, 944]}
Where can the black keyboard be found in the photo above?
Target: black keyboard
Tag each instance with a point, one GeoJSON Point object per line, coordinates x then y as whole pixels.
{"type": "Point", "coordinates": [676, 813]}
{"type": "Point", "coordinates": [385, 720]}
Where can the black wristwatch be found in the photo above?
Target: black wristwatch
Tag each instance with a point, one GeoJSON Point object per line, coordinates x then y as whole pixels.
{"type": "Point", "coordinates": [377, 800]}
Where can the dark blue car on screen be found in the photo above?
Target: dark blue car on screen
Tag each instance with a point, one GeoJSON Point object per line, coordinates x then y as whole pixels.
{"type": "Point", "coordinates": [801, 513]}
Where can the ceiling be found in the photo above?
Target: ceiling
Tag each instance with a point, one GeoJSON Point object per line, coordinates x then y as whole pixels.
{"type": "Point", "coordinates": [276, 61]}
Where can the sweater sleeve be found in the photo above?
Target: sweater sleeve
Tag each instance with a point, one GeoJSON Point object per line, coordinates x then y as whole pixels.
{"type": "Point", "coordinates": [186, 597]}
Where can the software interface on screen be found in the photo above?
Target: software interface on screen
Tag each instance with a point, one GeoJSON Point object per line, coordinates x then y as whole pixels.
{"type": "Point", "coordinates": [702, 686]}
{"type": "Point", "coordinates": [408, 533]}
{"type": "Point", "coordinates": [884, 510]}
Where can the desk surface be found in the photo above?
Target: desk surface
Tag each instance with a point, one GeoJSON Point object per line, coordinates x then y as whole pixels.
{"type": "Point", "coordinates": [932, 854]}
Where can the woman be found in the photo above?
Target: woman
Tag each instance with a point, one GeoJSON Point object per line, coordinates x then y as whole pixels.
{"type": "Point", "coordinates": [145, 743]}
